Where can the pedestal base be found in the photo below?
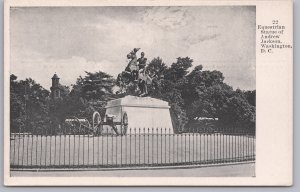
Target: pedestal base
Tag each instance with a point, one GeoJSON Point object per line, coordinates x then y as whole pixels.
{"type": "Point", "coordinates": [145, 114]}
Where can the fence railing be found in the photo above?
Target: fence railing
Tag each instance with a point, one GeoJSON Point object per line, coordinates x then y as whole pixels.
{"type": "Point", "coordinates": [141, 147]}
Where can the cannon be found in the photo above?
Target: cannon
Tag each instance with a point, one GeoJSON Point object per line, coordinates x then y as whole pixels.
{"type": "Point", "coordinates": [76, 125]}
{"type": "Point", "coordinates": [98, 123]}
{"type": "Point", "coordinates": [109, 120]}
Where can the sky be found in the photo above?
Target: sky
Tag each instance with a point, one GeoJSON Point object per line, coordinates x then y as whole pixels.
{"type": "Point", "coordinates": [71, 40]}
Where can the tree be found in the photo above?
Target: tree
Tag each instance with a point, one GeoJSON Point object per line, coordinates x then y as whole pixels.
{"type": "Point", "coordinates": [28, 104]}
{"type": "Point", "coordinates": [93, 86]}
{"type": "Point", "coordinates": [211, 101]}
{"type": "Point", "coordinates": [157, 67]}
{"type": "Point", "coordinates": [251, 97]}
{"type": "Point", "coordinates": [91, 93]}
{"type": "Point", "coordinates": [199, 93]}
{"type": "Point", "coordinates": [59, 108]}
{"type": "Point", "coordinates": [179, 69]}
{"type": "Point", "coordinates": [169, 87]}
{"type": "Point", "coordinates": [241, 114]}
{"type": "Point", "coordinates": [199, 85]}
{"type": "Point", "coordinates": [206, 95]}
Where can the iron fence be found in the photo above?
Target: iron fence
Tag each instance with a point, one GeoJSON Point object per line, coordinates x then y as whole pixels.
{"type": "Point", "coordinates": [140, 147]}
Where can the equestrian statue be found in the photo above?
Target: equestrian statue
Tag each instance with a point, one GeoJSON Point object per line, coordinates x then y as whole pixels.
{"type": "Point", "coordinates": [135, 73]}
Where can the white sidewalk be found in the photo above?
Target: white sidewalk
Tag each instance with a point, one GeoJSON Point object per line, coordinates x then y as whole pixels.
{"type": "Point", "coordinates": [235, 170]}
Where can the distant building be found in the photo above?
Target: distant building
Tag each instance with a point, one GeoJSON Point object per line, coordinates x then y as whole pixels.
{"type": "Point", "coordinates": [206, 118]}
{"type": "Point", "coordinates": [55, 89]}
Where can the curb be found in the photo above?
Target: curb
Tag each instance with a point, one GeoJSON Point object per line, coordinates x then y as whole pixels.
{"type": "Point", "coordinates": [137, 168]}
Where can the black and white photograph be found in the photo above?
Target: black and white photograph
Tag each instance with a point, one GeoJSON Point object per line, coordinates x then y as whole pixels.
{"type": "Point", "coordinates": [148, 93]}
{"type": "Point", "coordinates": [133, 91]}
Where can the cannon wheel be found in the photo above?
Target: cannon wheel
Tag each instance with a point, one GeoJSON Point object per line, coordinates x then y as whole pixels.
{"type": "Point", "coordinates": [97, 123]}
{"type": "Point", "coordinates": [124, 124]}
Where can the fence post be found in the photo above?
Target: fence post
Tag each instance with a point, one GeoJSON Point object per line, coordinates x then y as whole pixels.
{"type": "Point", "coordinates": [102, 148]}
{"type": "Point", "coordinates": [216, 137]}
{"type": "Point", "coordinates": [112, 148]}
{"type": "Point", "coordinates": [157, 144]}
{"type": "Point", "coordinates": [126, 150]}
{"type": "Point", "coordinates": [139, 145]}
{"type": "Point", "coordinates": [206, 145]}
{"type": "Point", "coordinates": [50, 135]}
{"type": "Point", "coordinates": [41, 153]}
{"type": "Point", "coordinates": [107, 136]}
{"type": "Point", "coordinates": [14, 150]}
{"type": "Point", "coordinates": [31, 151]}
{"type": "Point", "coordinates": [144, 137]}
{"type": "Point", "coordinates": [93, 135]}
{"type": "Point", "coordinates": [23, 146]}
{"type": "Point", "coordinates": [121, 148]}
{"type": "Point", "coordinates": [69, 138]}
{"type": "Point", "coordinates": [79, 132]}
{"type": "Point", "coordinates": [65, 138]}
{"type": "Point", "coordinates": [185, 147]}
{"type": "Point", "coordinates": [27, 146]}
{"type": "Point", "coordinates": [169, 145]}
{"type": "Point", "coordinates": [177, 138]}
{"type": "Point", "coordinates": [165, 145]}
{"type": "Point", "coordinates": [19, 146]}
{"type": "Point", "coordinates": [148, 146]}
{"type": "Point", "coordinates": [161, 144]}
{"type": "Point", "coordinates": [135, 145]}
{"type": "Point", "coordinates": [200, 144]}
{"type": "Point", "coordinates": [74, 146]}
{"type": "Point", "coordinates": [235, 143]}
{"type": "Point", "coordinates": [117, 136]}
{"type": "Point", "coordinates": [152, 145]}
{"type": "Point", "coordinates": [130, 147]}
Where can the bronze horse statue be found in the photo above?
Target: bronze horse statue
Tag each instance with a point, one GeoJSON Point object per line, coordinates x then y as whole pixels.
{"type": "Point", "coordinates": [137, 74]}
{"type": "Point", "coordinates": [126, 78]}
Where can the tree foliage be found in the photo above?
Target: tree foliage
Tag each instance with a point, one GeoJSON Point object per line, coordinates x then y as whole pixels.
{"type": "Point", "coordinates": [168, 87]}
{"type": "Point", "coordinates": [91, 93]}
{"type": "Point", "coordinates": [208, 96]}
{"type": "Point", "coordinates": [190, 93]}
{"type": "Point", "coordinates": [28, 104]}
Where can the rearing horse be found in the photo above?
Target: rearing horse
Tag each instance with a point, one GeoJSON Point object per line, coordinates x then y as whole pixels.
{"type": "Point", "coordinates": [125, 78]}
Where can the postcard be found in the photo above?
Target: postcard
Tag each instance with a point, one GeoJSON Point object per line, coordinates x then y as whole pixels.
{"type": "Point", "coordinates": [148, 93]}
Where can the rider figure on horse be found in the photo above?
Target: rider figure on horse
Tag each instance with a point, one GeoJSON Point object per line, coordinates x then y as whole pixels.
{"type": "Point", "coordinates": [142, 63]}
{"type": "Point", "coordinates": [132, 65]}
{"type": "Point", "coordinates": [143, 77]}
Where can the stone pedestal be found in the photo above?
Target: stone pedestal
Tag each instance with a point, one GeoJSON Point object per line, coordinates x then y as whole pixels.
{"type": "Point", "coordinates": [142, 112]}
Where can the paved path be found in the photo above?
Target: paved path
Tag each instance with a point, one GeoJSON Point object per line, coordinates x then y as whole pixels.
{"type": "Point", "coordinates": [236, 170]}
